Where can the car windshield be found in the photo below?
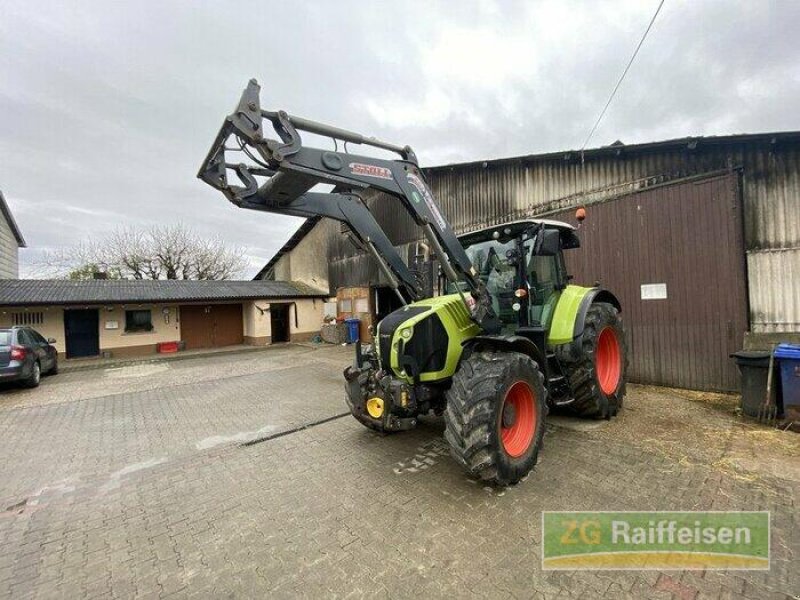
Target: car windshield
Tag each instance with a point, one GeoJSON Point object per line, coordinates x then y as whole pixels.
{"type": "Point", "coordinates": [5, 337]}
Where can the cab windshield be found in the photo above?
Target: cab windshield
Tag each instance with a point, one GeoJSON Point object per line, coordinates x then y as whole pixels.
{"type": "Point", "coordinates": [497, 263]}
{"type": "Point", "coordinates": [491, 260]}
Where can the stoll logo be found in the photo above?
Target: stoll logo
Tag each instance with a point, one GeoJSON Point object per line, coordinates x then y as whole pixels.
{"type": "Point", "coordinates": [655, 540]}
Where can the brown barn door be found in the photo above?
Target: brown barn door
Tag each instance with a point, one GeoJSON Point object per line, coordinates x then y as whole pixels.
{"type": "Point", "coordinates": [227, 325]}
{"type": "Point", "coordinates": [211, 326]}
{"type": "Point", "coordinates": [674, 256]}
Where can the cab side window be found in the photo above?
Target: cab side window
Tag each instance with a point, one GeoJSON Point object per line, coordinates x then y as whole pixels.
{"type": "Point", "coordinates": [544, 281]}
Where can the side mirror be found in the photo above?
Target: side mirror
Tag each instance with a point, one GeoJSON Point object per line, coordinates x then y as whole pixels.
{"type": "Point", "coordinates": [551, 243]}
{"type": "Point", "coordinates": [51, 340]}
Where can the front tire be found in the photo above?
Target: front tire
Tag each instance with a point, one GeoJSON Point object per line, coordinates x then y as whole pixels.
{"type": "Point", "coordinates": [597, 369]}
{"type": "Point", "coordinates": [495, 416]}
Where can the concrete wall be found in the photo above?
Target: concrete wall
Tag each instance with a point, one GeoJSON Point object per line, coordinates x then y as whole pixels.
{"type": "Point", "coordinates": [166, 328]}
{"type": "Point", "coordinates": [309, 319]}
{"type": "Point", "coordinates": [307, 262]}
{"type": "Point", "coordinates": [256, 323]}
{"type": "Point", "coordinates": [121, 343]}
{"type": "Point", "coordinates": [258, 328]}
{"type": "Point", "coordinates": [166, 325]}
{"type": "Point", "coordinates": [9, 251]}
{"type": "Point", "coordinates": [52, 326]}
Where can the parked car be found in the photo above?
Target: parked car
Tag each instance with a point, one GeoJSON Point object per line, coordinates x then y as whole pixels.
{"type": "Point", "coordinates": [25, 355]}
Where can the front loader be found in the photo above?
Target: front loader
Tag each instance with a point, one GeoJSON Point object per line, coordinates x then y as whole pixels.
{"type": "Point", "coordinates": [508, 341]}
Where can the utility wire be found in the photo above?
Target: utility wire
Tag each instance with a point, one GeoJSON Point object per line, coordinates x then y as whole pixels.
{"type": "Point", "coordinates": [622, 77]}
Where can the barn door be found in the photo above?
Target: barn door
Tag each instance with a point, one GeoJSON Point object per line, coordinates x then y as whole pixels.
{"type": "Point", "coordinates": [674, 256]}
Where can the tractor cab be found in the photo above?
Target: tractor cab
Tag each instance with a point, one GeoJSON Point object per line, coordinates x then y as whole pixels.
{"type": "Point", "coordinates": [522, 265]}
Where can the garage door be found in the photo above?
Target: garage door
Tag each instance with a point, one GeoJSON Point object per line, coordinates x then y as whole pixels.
{"type": "Point", "coordinates": [211, 326]}
{"type": "Point", "coordinates": [674, 256]}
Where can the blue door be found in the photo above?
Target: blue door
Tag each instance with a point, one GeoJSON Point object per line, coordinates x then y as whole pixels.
{"type": "Point", "coordinates": [81, 332]}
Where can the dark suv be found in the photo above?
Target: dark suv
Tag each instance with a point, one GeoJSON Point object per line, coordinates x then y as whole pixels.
{"type": "Point", "coordinates": [25, 355]}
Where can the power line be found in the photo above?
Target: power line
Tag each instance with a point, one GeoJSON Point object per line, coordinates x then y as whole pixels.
{"type": "Point", "coordinates": [622, 77]}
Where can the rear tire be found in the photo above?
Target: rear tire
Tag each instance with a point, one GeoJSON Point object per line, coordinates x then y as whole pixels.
{"type": "Point", "coordinates": [597, 374]}
{"type": "Point", "coordinates": [495, 416]}
{"type": "Point", "coordinates": [35, 377]}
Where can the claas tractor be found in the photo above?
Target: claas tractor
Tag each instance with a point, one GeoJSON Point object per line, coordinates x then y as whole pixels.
{"type": "Point", "coordinates": [508, 340]}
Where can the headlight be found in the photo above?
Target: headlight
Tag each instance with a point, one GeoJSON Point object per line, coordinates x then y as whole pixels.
{"type": "Point", "coordinates": [406, 333]}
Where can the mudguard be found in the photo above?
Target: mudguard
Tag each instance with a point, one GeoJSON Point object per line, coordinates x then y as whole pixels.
{"type": "Point", "coordinates": [510, 343]}
{"type": "Point", "coordinates": [595, 295]}
{"type": "Point", "coordinates": [570, 314]}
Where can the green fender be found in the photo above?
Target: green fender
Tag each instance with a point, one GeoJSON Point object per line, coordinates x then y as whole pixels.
{"type": "Point", "coordinates": [570, 314]}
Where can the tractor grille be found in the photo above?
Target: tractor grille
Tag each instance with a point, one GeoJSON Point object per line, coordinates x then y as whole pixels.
{"type": "Point", "coordinates": [389, 325]}
{"type": "Point", "coordinates": [428, 346]}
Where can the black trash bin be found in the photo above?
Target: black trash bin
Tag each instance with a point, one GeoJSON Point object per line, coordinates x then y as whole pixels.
{"type": "Point", "coordinates": [754, 367]}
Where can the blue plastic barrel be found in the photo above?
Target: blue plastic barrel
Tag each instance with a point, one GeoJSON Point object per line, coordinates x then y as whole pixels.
{"type": "Point", "coordinates": [789, 357]}
{"type": "Point", "coordinates": [352, 329]}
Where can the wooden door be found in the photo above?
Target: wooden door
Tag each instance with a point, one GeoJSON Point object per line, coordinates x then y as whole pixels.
{"type": "Point", "coordinates": [212, 325]}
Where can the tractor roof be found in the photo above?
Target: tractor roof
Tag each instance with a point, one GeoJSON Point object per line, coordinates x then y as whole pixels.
{"type": "Point", "coordinates": [569, 238]}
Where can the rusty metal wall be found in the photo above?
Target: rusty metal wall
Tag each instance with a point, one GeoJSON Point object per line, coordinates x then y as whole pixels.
{"type": "Point", "coordinates": [479, 194]}
{"type": "Point", "coordinates": [771, 191]}
{"type": "Point", "coordinates": [774, 288]}
{"type": "Point", "coordinates": [688, 237]}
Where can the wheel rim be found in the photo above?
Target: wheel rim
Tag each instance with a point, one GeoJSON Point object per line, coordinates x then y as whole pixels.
{"type": "Point", "coordinates": [519, 406]}
{"type": "Point", "coordinates": [608, 360]}
{"type": "Point", "coordinates": [36, 372]}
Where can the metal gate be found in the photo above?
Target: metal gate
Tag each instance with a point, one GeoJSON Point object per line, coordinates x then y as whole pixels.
{"type": "Point", "coordinates": [81, 332]}
{"type": "Point", "coordinates": [674, 256]}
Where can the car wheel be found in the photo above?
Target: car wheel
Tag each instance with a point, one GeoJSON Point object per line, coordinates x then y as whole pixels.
{"type": "Point", "coordinates": [35, 377]}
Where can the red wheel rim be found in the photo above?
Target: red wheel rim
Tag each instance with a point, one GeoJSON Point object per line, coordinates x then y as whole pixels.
{"type": "Point", "coordinates": [608, 360]}
{"type": "Point", "coordinates": [517, 436]}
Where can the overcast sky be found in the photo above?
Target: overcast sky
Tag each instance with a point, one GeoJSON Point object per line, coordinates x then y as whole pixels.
{"type": "Point", "coordinates": [107, 108]}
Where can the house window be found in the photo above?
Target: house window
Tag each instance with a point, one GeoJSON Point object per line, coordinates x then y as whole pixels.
{"type": "Point", "coordinates": [28, 318]}
{"type": "Point", "coordinates": [138, 320]}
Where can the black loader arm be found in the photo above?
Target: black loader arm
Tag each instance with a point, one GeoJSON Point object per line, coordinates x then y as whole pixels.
{"type": "Point", "coordinates": [277, 175]}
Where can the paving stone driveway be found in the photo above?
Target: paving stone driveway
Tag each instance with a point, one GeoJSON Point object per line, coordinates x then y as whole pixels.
{"type": "Point", "coordinates": [143, 481]}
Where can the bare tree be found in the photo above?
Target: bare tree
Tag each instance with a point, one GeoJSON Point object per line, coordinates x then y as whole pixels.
{"type": "Point", "coordinates": [159, 252]}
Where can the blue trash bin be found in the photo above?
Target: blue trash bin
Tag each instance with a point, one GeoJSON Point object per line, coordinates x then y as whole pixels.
{"type": "Point", "coordinates": [789, 357]}
{"type": "Point", "coordinates": [352, 329]}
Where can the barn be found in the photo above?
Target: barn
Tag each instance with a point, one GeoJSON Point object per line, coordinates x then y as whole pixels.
{"type": "Point", "coordinates": [698, 236]}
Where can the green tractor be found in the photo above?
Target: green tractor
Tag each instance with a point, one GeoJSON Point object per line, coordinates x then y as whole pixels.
{"type": "Point", "coordinates": [509, 341]}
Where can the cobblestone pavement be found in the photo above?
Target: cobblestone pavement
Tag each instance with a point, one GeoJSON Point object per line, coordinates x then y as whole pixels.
{"type": "Point", "coordinates": [196, 478]}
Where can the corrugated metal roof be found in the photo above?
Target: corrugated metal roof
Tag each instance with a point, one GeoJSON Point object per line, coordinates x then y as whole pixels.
{"type": "Point", "coordinates": [19, 292]}
{"type": "Point", "coordinates": [486, 193]}
{"type": "Point", "coordinates": [483, 193]}
{"type": "Point", "coordinates": [619, 148]}
{"type": "Point", "coordinates": [11, 222]}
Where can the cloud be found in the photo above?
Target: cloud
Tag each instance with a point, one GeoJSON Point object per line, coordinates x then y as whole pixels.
{"type": "Point", "coordinates": [106, 110]}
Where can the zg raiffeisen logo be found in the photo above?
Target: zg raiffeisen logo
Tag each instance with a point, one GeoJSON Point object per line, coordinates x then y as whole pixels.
{"type": "Point", "coordinates": [655, 540]}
